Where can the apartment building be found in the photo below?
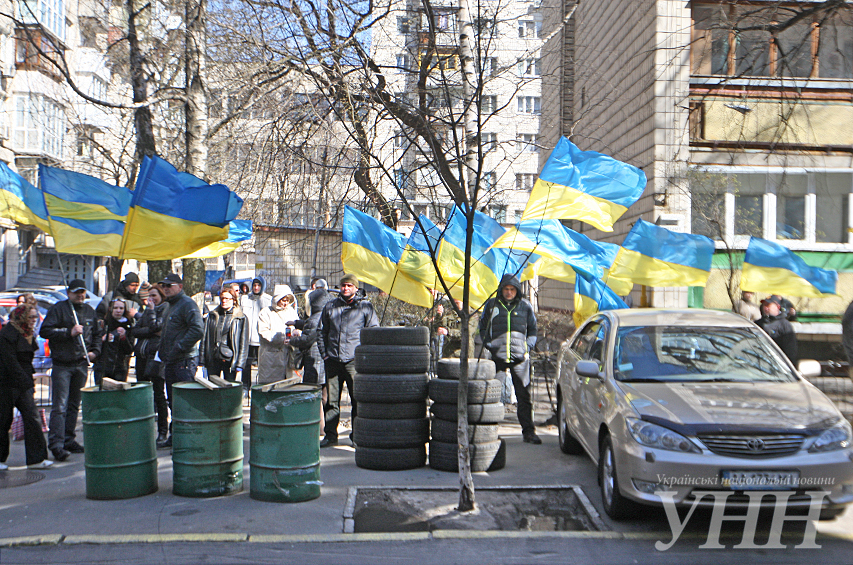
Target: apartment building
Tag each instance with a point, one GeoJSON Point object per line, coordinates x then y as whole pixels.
{"type": "Point", "coordinates": [738, 112]}
{"type": "Point", "coordinates": [507, 42]}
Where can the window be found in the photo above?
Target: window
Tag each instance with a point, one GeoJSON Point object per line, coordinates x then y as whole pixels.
{"type": "Point", "coordinates": [400, 140]}
{"type": "Point", "coordinates": [529, 29]}
{"type": "Point", "coordinates": [528, 104]}
{"type": "Point", "coordinates": [39, 125]}
{"type": "Point", "coordinates": [403, 24]}
{"type": "Point", "coordinates": [528, 67]}
{"type": "Point", "coordinates": [401, 179]}
{"type": "Point", "coordinates": [485, 26]}
{"type": "Point", "coordinates": [490, 180]}
{"type": "Point", "coordinates": [527, 142]}
{"type": "Point", "coordinates": [49, 13]}
{"type": "Point", "coordinates": [524, 181]}
{"type": "Point", "coordinates": [490, 66]}
{"type": "Point", "coordinates": [27, 55]}
{"type": "Point", "coordinates": [734, 40]}
{"type": "Point", "coordinates": [790, 205]}
{"type": "Point", "coordinates": [404, 62]}
{"type": "Point", "coordinates": [489, 104]}
{"type": "Point", "coordinates": [489, 141]}
{"type": "Point", "coordinates": [749, 192]}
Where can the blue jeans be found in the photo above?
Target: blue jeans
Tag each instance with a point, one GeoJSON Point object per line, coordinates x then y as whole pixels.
{"type": "Point", "coordinates": [66, 382]}
{"type": "Point", "coordinates": [180, 371]}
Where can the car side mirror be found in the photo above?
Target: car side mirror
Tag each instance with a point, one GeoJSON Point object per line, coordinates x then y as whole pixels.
{"type": "Point", "coordinates": [809, 368]}
{"type": "Point", "coordinates": [588, 369]}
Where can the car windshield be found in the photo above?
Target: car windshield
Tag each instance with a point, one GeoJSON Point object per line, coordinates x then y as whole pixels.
{"type": "Point", "coordinates": [697, 354]}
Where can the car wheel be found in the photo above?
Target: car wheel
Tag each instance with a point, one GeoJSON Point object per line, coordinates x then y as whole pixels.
{"type": "Point", "coordinates": [615, 505]}
{"type": "Point", "coordinates": [568, 444]}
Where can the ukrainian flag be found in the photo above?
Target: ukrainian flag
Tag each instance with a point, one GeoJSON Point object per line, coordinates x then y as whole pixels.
{"type": "Point", "coordinates": [591, 296]}
{"type": "Point", "coordinates": [655, 256]}
{"type": "Point", "coordinates": [371, 250]}
{"type": "Point", "coordinates": [20, 201]}
{"type": "Point", "coordinates": [416, 259]}
{"type": "Point", "coordinates": [86, 214]}
{"type": "Point", "coordinates": [487, 265]}
{"type": "Point", "coordinates": [238, 232]}
{"type": "Point", "coordinates": [774, 269]}
{"type": "Point", "coordinates": [584, 185]}
{"type": "Point", "coordinates": [174, 214]}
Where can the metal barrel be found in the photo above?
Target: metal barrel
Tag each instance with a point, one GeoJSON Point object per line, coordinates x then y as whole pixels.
{"type": "Point", "coordinates": [284, 457]}
{"type": "Point", "coordinates": [120, 435]}
{"type": "Point", "coordinates": [207, 440]}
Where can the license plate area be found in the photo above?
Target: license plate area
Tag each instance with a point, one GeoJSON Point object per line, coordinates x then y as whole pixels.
{"type": "Point", "coordinates": [736, 479]}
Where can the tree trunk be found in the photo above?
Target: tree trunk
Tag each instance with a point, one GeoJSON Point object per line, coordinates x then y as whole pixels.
{"type": "Point", "coordinates": [145, 144]}
{"type": "Point", "coordinates": [157, 270]}
{"type": "Point", "coordinates": [114, 265]}
{"type": "Point", "coordinates": [196, 120]}
{"type": "Point", "coordinates": [467, 501]}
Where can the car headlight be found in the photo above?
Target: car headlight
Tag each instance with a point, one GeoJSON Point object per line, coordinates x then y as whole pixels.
{"type": "Point", "coordinates": [653, 435]}
{"type": "Point", "coordinates": [836, 437]}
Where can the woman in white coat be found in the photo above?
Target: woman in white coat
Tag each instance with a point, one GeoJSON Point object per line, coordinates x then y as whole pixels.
{"type": "Point", "coordinates": [274, 351]}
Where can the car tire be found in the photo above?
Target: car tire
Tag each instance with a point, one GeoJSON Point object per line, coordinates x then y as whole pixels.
{"type": "Point", "coordinates": [395, 336]}
{"type": "Point", "coordinates": [443, 455]}
{"type": "Point", "coordinates": [445, 430]}
{"type": "Point", "coordinates": [500, 458]}
{"type": "Point", "coordinates": [482, 370]}
{"type": "Point", "coordinates": [381, 459]}
{"type": "Point", "coordinates": [479, 392]}
{"type": "Point", "coordinates": [392, 359]}
{"type": "Point", "coordinates": [615, 505]}
{"type": "Point", "coordinates": [568, 444]}
{"type": "Point", "coordinates": [398, 411]}
{"type": "Point", "coordinates": [371, 432]}
{"type": "Point", "coordinates": [390, 389]}
{"type": "Point", "coordinates": [477, 413]}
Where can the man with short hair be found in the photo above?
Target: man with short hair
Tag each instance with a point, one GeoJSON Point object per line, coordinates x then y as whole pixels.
{"type": "Point", "coordinates": [182, 331]}
{"type": "Point", "coordinates": [776, 325]}
{"type": "Point", "coordinates": [508, 330]}
{"type": "Point", "coordinates": [75, 341]}
{"type": "Point", "coordinates": [339, 334]}
{"type": "Point", "coordinates": [127, 291]}
{"type": "Point", "coordinates": [252, 304]}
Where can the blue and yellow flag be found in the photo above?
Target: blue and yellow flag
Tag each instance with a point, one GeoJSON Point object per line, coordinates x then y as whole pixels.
{"type": "Point", "coordinates": [774, 269]}
{"type": "Point", "coordinates": [487, 265]}
{"type": "Point", "coordinates": [591, 296]}
{"type": "Point", "coordinates": [174, 214]}
{"type": "Point", "coordinates": [655, 256]}
{"type": "Point", "coordinates": [416, 259]}
{"type": "Point", "coordinates": [20, 201]}
{"type": "Point", "coordinates": [238, 232]}
{"type": "Point", "coordinates": [86, 215]}
{"type": "Point", "coordinates": [584, 185]}
{"type": "Point", "coordinates": [371, 250]}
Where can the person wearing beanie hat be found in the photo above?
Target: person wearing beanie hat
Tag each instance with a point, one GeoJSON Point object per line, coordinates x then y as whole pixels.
{"type": "Point", "coordinates": [340, 327]}
{"type": "Point", "coordinates": [127, 291]}
{"type": "Point", "coordinates": [776, 325]}
{"type": "Point", "coordinates": [316, 283]}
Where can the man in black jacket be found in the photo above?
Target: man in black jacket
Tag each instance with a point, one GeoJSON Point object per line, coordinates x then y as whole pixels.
{"type": "Point", "coordinates": [127, 291]}
{"type": "Point", "coordinates": [64, 324]}
{"type": "Point", "coordinates": [776, 325]}
{"type": "Point", "coordinates": [508, 330]}
{"type": "Point", "coordinates": [340, 333]}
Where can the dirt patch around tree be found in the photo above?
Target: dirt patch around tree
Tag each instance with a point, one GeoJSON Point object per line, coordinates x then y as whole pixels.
{"type": "Point", "coordinates": [418, 509]}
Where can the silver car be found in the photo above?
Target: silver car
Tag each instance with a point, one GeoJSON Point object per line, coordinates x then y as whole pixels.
{"type": "Point", "coordinates": [683, 401]}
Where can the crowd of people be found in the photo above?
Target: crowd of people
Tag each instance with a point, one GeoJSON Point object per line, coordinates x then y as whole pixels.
{"type": "Point", "coordinates": [170, 339]}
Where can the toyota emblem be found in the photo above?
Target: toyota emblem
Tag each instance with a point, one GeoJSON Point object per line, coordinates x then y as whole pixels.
{"type": "Point", "coordinates": [755, 444]}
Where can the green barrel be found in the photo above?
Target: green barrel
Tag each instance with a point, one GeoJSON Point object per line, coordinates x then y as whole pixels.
{"type": "Point", "coordinates": [207, 440]}
{"type": "Point", "coordinates": [120, 434]}
{"type": "Point", "coordinates": [284, 458]}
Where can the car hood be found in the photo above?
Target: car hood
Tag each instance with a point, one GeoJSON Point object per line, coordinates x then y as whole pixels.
{"type": "Point", "coordinates": [712, 407]}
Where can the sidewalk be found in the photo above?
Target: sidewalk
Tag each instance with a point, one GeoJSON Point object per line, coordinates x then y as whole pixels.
{"type": "Point", "coordinates": [55, 507]}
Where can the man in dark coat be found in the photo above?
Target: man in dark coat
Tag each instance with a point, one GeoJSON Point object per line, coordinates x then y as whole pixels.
{"type": "Point", "coordinates": [508, 330]}
{"type": "Point", "coordinates": [777, 326]}
{"type": "Point", "coordinates": [127, 291]}
{"type": "Point", "coordinates": [64, 324]}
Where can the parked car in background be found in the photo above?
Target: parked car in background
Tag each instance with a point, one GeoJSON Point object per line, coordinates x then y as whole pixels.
{"type": "Point", "coordinates": [697, 400]}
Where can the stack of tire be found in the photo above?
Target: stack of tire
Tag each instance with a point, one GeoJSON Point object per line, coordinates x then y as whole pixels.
{"type": "Point", "coordinates": [486, 450]}
{"type": "Point", "coordinates": [391, 428]}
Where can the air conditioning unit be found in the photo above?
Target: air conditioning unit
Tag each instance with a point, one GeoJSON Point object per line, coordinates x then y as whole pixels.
{"type": "Point", "coordinates": [8, 71]}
